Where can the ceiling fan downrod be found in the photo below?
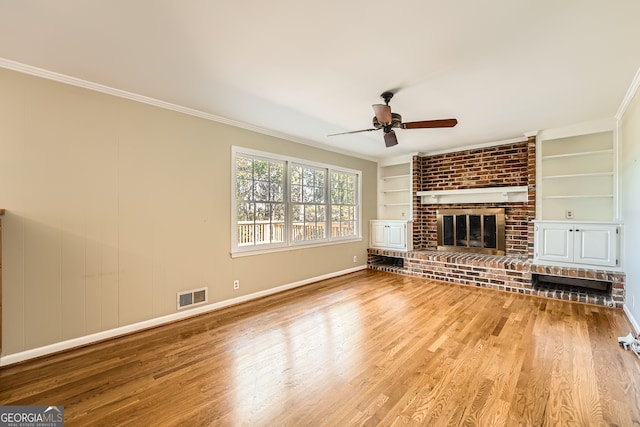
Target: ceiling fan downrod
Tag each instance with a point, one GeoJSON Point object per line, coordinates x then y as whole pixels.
{"type": "Point", "coordinates": [387, 97]}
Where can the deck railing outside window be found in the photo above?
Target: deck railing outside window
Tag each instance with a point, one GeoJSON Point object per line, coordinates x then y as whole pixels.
{"type": "Point", "coordinates": [261, 232]}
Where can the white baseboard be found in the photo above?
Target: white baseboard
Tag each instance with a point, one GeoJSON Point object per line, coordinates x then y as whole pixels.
{"type": "Point", "coordinates": [633, 320]}
{"type": "Point", "coordinates": [123, 330]}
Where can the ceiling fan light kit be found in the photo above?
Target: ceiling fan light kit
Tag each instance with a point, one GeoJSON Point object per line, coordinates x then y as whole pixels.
{"type": "Point", "coordinates": [387, 121]}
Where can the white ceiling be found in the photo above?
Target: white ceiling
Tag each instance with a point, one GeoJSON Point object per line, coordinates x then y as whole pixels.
{"type": "Point", "coordinates": [304, 69]}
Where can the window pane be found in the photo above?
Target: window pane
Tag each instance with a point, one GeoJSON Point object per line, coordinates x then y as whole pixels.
{"type": "Point", "coordinates": [308, 177]}
{"type": "Point", "coordinates": [309, 213]}
{"type": "Point", "coordinates": [346, 213]}
{"type": "Point", "coordinates": [261, 170]}
{"type": "Point", "coordinates": [276, 192]}
{"type": "Point", "coordinates": [244, 167]}
{"type": "Point", "coordinates": [261, 190]}
{"type": "Point", "coordinates": [296, 193]}
{"type": "Point", "coordinates": [320, 178]}
{"type": "Point", "coordinates": [262, 212]}
{"type": "Point", "coordinates": [297, 212]}
{"type": "Point", "coordinates": [244, 189]}
{"type": "Point", "coordinates": [296, 175]}
{"type": "Point", "coordinates": [276, 172]}
{"type": "Point", "coordinates": [335, 213]}
{"type": "Point", "coordinates": [307, 195]}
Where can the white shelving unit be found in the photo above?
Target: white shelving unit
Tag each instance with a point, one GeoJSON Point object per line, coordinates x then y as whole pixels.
{"type": "Point", "coordinates": [393, 229]}
{"type": "Point", "coordinates": [577, 178]}
{"type": "Point", "coordinates": [395, 185]}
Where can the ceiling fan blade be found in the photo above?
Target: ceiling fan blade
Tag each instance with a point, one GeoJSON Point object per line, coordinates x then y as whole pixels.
{"type": "Point", "coordinates": [353, 131]}
{"type": "Point", "coordinates": [446, 123]}
{"type": "Point", "coordinates": [390, 139]}
{"type": "Point", "coordinates": [383, 113]}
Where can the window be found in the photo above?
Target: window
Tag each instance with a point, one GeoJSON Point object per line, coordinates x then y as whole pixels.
{"type": "Point", "coordinates": [259, 201]}
{"type": "Point", "coordinates": [281, 202]}
{"type": "Point", "coordinates": [308, 203]}
{"type": "Point", "coordinates": [344, 204]}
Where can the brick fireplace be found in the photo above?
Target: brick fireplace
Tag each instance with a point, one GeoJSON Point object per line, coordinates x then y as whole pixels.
{"type": "Point", "coordinates": [508, 165]}
{"type": "Point", "coordinates": [498, 166]}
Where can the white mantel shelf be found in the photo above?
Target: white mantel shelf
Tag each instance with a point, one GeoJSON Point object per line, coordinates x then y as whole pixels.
{"type": "Point", "coordinates": [475, 195]}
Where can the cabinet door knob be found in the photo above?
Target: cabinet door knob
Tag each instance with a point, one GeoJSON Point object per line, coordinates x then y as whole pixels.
{"type": "Point", "coordinates": [577, 229]}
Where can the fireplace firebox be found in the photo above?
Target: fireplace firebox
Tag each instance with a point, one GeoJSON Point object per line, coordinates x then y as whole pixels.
{"type": "Point", "coordinates": [471, 230]}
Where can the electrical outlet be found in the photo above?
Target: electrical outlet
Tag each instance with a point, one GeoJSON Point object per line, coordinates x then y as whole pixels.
{"type": "Point", "coordinates": [236, 284]}
{"type": "Point", "coordinates": [568, 214]}
{"type": "Point", "coordinates": [355, 258]}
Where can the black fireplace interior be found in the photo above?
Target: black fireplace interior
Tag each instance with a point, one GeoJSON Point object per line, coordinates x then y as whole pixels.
{"type": "Point", "coordinates": [481, 234]}
{"type": "Point", "coordinates": [472, 230]}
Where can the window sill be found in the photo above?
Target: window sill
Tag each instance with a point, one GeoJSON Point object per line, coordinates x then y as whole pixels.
{"type": "Point", "coordinates": [239, 254]}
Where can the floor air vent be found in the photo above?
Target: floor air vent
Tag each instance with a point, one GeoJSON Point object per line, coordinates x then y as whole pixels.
{"type": "Point", "coordinates": [193, 297]}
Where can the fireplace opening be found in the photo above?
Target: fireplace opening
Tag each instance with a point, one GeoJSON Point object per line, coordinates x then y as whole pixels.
{"type": "Point", "coordinates": [471, 230]}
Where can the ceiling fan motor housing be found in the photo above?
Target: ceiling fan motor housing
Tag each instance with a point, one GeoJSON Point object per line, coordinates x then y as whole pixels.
{"type": "Point", "coordinates": [396, 121]}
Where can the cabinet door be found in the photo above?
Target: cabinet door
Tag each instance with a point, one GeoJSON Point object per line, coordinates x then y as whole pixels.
{"type": "Point", "coordinates": [397, 236]}
{"type": "Point", "coordinates": [378, 237]}
{"type": "Point", "coordinates": [596, 244]}
{"type": "Point", "coordinates": [554, 242]}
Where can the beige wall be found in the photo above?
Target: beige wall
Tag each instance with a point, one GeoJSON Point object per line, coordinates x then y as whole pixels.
{"type": "Point", "coordinates": [113, 206]}
{"type": "Point", "coordinates": [630, 189]}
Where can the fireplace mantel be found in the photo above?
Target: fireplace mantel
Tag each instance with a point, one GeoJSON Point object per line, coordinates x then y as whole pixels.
{"type": "Point", "coordinates": [475, 195]}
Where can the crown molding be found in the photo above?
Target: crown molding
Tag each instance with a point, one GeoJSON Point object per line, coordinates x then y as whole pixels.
{"type": "Point", "coordinates": [474, 147]}
{"type": "Point", "coordinates": [73, 81]}
{"type": "Point", "coordinates": [631, 92]}
{"type": "Point", "coordinates": [584, 128]}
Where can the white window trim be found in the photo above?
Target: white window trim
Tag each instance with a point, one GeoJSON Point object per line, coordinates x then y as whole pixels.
{"type": "Point", "coordinates": [288, 244]}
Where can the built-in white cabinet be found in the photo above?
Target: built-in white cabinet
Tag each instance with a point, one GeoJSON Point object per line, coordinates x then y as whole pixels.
{"type": "Point", "coordinates": [581, 243]}
{"type": "Point", "coordinates": [395, 190]}
{"type": "Point", "coordinates": [391, 234]}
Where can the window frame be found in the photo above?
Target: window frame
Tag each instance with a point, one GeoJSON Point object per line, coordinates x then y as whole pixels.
{"type": "Point", "coordinates": [289, 243]}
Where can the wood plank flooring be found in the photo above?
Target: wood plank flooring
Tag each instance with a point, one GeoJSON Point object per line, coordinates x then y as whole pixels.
{"type": "Point", "coordinates": [369, 348]}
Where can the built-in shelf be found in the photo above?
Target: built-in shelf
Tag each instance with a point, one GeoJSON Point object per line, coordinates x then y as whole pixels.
{"type": "Point", "coordinates": [578, 175]}
{"type": "Point", "coordinates": [579, 196]}
{"type": "Point", "coordinates": [475, 195]}
{"type": "Point", "coordinates": [395, 191]}
{"type": "Point", "coordinates": [578, 154]}
{"type": "Point", "coordinates": [397, 204]}
{"type": "Point", "coordinates": [396, 177]}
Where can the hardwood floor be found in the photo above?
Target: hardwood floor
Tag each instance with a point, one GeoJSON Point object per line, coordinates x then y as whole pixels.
{"type": "Point", "coordinates": [369, 348]}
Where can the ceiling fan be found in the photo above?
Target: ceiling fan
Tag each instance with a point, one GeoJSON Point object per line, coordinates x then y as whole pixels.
{"type": "Point", "coordinates": [386, 120]}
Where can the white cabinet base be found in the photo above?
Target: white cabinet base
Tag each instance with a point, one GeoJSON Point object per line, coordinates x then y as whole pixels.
{"type": "Point", "coordinates": [391, 234]}
{"type": "Point", "coordinates": [579, 243]}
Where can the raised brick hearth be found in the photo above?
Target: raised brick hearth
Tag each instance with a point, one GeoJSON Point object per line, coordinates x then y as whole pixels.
{"type": "Point", "coordinates": [505, 273]}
